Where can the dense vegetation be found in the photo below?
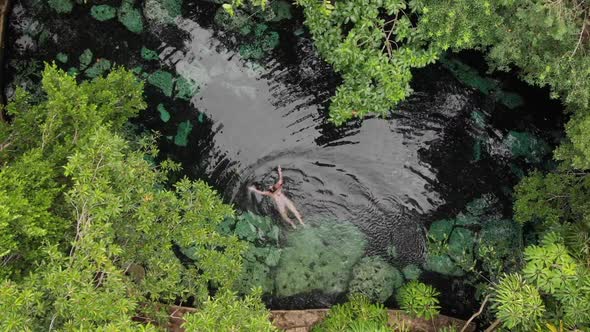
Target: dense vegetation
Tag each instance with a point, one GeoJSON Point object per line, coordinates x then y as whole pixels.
{"type": "Point", "coordinates": [90, 223]}
{"type": "Point", "coordinates": [93, 233]}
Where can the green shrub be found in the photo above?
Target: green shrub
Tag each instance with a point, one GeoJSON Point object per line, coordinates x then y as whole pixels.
{"type": "Point", "coordinates": [419, 300]}
{"type": "Point", "coordinates": [227, 313]}
{"type": "Point", "coordinates": [517, 304]}
{"type": "Point", "coordinates": [358, 314]}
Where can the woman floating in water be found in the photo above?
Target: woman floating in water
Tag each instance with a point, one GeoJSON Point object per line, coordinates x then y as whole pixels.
{"type": "Point", "coordinates": [281, 201]}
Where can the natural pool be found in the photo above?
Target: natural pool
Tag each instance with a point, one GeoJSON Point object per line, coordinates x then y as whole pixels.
{"type": "Point", "coordinates": [386, 200]}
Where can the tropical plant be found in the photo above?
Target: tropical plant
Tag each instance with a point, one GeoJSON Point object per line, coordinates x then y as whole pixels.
{"type": "Point", "coordinates": [358, 314]}
{"type": "Point", "coordinates": [226, 312]}
{"type": "Point", "coordinates": [419, 299]}
{"type": "Point", "coordinates": [90, 224]}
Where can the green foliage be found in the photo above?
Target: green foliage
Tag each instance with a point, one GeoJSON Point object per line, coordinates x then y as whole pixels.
{"type": "Point", "coordinates": [130, 16]}
{"type": "Point", "coordinates": [517, 304]}
{"type": "Point", "coordinates": [419, 299]}
{"type": "Point", "coordinates": [358, 314]}
{"type": "Point", "coordinates": [103, 12]}
{"type": "Point", "coordinates": [375, 279]}
{"type": "Point", "coordinates": [227, 313]}
{"type": "Point", "coordinates": [319, 258]}
{"type": "Point", "coordinates": [374, 53]}
{"type": "Point", "coordinates": [88, 226]}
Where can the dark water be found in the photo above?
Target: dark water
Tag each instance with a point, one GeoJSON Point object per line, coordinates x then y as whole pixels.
{"type": "Point", "coordinates": [389, 176]}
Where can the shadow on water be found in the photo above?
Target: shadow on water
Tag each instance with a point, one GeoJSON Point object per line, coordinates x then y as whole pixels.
{"type": "Point", "coordinates": [391, 177]}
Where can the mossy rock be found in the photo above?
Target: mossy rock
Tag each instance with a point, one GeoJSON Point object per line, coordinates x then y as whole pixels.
{"type": "Point", "coordinates": [98, 68]}
{"type": "Point", "coordinates": [319, 258]}
{"type": "Point", "coordinates": [148, 54]}
{"type": "Point", "coordinates": [130, 16]}
{"type": "Point", "coordinates": [103, 12]}
{"type": "Point", "coordinates": [185, 88]}
{"type": "Point", "coordinates": [183, 131]}
{"type": "Point", "coordinates": [164, 114]}
{"type": "Point", "coordinates": [461, 246]}
{"type": "Point", "coordinates": [526, 145]}
{"type": "Point", "coordinates": [444, 265]}
{"type": "Point", "coordinates": [85, 59]}
{"type": "Point", "coordinates": [61, 6]}
{"type": "Point", "coordinates": [375, 279]}
{"type": "Point", "coordinates": [440, 230]}
{"type": "Point", "coordinates": [162, 11]}
{"type": "Point", "coordinates": [62, 57]}
{"type": "Point", "coordinates": [162, 80]}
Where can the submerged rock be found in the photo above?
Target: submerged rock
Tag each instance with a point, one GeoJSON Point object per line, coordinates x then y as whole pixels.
{"type": "Point", "coordinates": [103, 12]}
{"type": "Point", "coordinates": [375, 278]}
{"type": "Point", "coordinates": [162, 80]}
{"type": "Point", "coordinates": [130, 16]}
{"type": "Point", "coordinates": [319, 258]}
{"type": "Point", "coordinates": [61, 6]}
{"type": "Point", "coordinates": [182, 133]}
{"type": "Point", "coordinates": [162, 11]}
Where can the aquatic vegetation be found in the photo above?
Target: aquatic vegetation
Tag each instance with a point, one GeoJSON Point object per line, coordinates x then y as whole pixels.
{"type": "Point", "coordinates": [411, 272]}
{"type": "Point", "coordinates": [419, 299]}
{"type": "Point", "coordinates": [98, 68]}
{"type": "Point", "coordinates": [162, 80]}
{"type": "Point", "coordinates": [183, 131]}
{"type": "Point", "coordinates": [130, 16]}
{"type": "Point", "coordinates": [526, 145]}
{"type": "Point", "coordinates": [61, 6]}
{"type": "Point", "coordinates": [164, 114]}
{"type": "Point", "coordinates": [259, 40]}
{"type": "Point", "coordinates": [148, 54]}
{"type": "Point", "coordinates": [319, 258]}
{"type": "Point", "coordinates": [162, 11]}
{"type": "Point", "coordinates": [62, 57]}
{"type": "Point", "coordinates": [499, 246]}
{"type": "Point", "coordinates": [103, 12]}
{"type": "Point", "coordinates": [85, 59]}
{"type": "Point", "coordinates": [451, 246]}
{"type": "Point", "coordinates": [471, 77]}
{"type": "Point", "coordinates": [374, 278]}
{"type": "Point", "coordinates": [358, 314]}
